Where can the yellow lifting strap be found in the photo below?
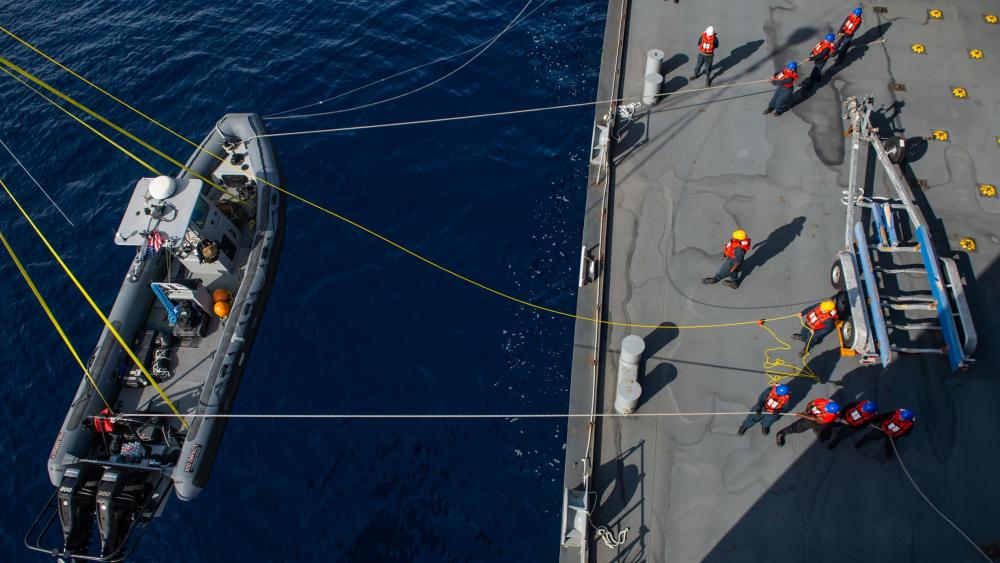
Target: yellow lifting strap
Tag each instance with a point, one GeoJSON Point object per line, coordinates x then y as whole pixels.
{"type": "Point", "coordinates": [55, 323]}
{"type": "Point", "coordinates": [93, 305]}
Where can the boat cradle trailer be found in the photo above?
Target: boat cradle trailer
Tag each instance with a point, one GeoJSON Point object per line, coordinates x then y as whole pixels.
{"type": "Point", "coordinates": [866, 330]}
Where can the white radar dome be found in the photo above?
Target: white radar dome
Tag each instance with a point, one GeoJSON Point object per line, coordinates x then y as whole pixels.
{"type": "Point", "coordinates": [162, 187]}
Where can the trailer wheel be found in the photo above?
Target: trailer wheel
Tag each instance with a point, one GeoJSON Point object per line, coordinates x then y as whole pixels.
{"type": "Point", "coordinates": [895, 149]}
{"type": "Point", "coordinates": [837, 276]}
{"type": "Point", "coordinates": [847, 334]}
{"type": "Point", "coordinates": [843, 304]}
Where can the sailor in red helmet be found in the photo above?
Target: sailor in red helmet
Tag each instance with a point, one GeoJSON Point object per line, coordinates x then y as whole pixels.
{"type": "Point", "coordinates": [773, 402]}
{"type": "Point", "coordinates": [817, 321]}
{"type": "Point", "coordinates": [847, 30]}
{"type": "Point", "coordinates": [855, 416]}
{"type": "Point", "coordinates": [708, 42]}
{"type": "Point", "coordinates": [890, 426]}
{"type": "Point", "coordinates": [819, 414]}
{"type": "Point", "coordinates": [785, 82]}
{"type": "Point", "coordinates": [819, 56]}
{"type": "Point", "coordinates": [735, 251]}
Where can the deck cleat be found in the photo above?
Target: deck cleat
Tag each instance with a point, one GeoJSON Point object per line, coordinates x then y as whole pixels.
{"type": "Point", "coordinates": [918, 48]}
{"type": "Point", "coordinates": [959, 92]}
{"type": "Point", "coordinates": [942, 135]}
{"type": "Point", "coordinates": [967, 244]}
{"type": "Point", "coordinates": [975, 54]}
{"type": "Point", "coordinates": [987, 190]}
{"type": "Point", "coordinates": [990, 19]}
{"type": "Point", "coordinates": [935, 14]}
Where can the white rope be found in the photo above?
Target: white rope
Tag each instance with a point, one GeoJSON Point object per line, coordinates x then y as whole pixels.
{"type": "Point", "coordinates": [52, 201]}
{"type": "Point", "coordinates": [609, 537]}
{"type": "Point", "coordinates": [931, 504]}
{"type": "Point", "coordinates": [490, 114]}
{"type": "Point", "coordinates": [484, 46]}
{"type": "Point", "coordinates": [397, 416]}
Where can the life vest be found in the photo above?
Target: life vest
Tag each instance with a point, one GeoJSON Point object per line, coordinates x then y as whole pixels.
{"type": "Point", "coordinates": [730, 249]}
{"type": "Point", "coordinates": [816, 319]}
{"type": "Point", "coordinates": [895, 427]}
{"type": "Point", "coordinates": [851, 24]}
{"type": "Point", "coordinates": [774, 402]}
{"type": "Point", "coordinates": [817, 408]}
{"type": "Point", "coordinates": [707, 44]}
{"type": "Point", "coordinates": [103, 424]}
{"type": "Point", "coordinates": [787, 73]}
{"type": "Point", "coordinates": [858, 417]}
{"type": "Point", "coordinates": [823, 44]}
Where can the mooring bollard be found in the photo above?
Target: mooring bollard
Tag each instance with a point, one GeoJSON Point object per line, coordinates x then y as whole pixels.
{"type": "Point", "coordinates": [651, 89]}
{"type": "Point", "coordinates": [628, 389]}
{"type": "Point", "coordinates": [654, 60]}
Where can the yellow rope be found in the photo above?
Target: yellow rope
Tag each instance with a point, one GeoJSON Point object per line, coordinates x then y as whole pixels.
{"type": "Point", "coordinates": [773, 366]}
{"type": "Point", "coordinates": [94, 306]}
{"type": "Point", "coordinates": [55, 323]}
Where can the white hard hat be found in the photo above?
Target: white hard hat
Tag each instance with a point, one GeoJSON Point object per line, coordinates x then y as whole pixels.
{"type": "Point", "coordinates": [709, 30]}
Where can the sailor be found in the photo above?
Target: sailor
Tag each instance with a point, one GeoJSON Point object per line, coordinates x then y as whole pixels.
{"type": "Point", "coordinates": [785, 81]}
{"type": "Point", "coordinates": [847, 30]}
{"type": "Point", "coordinates": [890, 426]}
{"type": "Point", "coordinates": [818, 415]}
{"type": "Point", "coordinates": [856, 416]}
{"type": "Point", "coordinates": [819, 56]}
{"type": "Point", "coordinates": [734, 250]}
{"type": "Point", "coordinates": [817, 321]}
{"type": "Point", "coordinates": [773, 401]}
{"type": "Point", "coordinates": [708, 42]}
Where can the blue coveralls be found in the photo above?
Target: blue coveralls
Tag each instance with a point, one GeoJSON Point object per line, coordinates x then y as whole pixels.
{"type": "Point", "coordinates": [766, 418]}
{"type": "Point", "coordinates": [819, 61]}
{"type": "Point", "coordinates": [783, 95]}
{"type": "Point", "coordinates": [818, 334]}
{"type": "Point", "coordinates": [704, 59]}
{"type": "Point", "coordinates": [727, 265]}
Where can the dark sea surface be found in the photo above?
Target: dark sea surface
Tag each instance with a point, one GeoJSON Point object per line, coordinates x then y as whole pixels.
{"type": "Point", "coordinates": [353, 325]}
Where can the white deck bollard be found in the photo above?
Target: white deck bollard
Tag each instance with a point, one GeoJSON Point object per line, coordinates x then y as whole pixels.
{"type": "Point", "coordinates": [651, 88]}
{"type": "Point", "coordinates": [654, 61]}
{"type": "Point", "coordinates": [628, 389]}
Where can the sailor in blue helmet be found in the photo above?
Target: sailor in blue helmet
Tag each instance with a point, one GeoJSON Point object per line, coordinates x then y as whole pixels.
{"type": "Point", "coordinates": [819, 56]}
{"type": "Point", "coordinates": [890, 426]}
{"type": "Point", "coordinates": [847, 30]}
{"type": "Point", "coordinates": [785, 81]}
{"type": "Point", "coordinates": [854, 417]}
{"type": "Point", "coordinates": [768, 408]}
{"type": "Point", "coordinates": [819, 414]}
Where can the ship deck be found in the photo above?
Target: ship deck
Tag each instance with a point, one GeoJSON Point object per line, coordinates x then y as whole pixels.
{"type": "Point", "coordinates": [698, 165]}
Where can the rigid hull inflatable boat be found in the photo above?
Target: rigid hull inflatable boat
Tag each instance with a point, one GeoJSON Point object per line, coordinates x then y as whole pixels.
{"type": "Point", "coordinates": [208, 243]}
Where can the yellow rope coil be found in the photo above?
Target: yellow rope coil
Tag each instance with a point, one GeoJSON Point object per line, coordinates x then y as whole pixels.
{"type": "Point", "coordinates": [52, 318]}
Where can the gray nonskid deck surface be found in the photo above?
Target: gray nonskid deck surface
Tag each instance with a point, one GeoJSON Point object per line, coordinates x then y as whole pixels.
{"type": "Point", "coordinates": [701, 164]}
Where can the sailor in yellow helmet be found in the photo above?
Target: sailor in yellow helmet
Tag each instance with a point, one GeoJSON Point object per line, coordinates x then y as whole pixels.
{"type": "Point", "coordinates": [734, 251]}
{"type": "Point", "coordinates": [817, 321]}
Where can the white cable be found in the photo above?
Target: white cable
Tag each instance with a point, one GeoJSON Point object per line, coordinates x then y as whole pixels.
{"type": "Point", "coordinates": [609, 537]}
{"type": "Point", "coordinates": [439, 416]}
{"type": "Point", "coordinates": [931, 504]}
{"type": "Point", "coordinates": [54, 204]}
{"type": "Point", "coordinates": [484, 45]}
{"type": "Point", "coordinates": [491, 114]}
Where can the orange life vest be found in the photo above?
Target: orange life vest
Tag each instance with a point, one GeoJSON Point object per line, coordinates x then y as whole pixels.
{"type": "Point", "coordinates": [895, 427]}
{"type": "Point", "coordinates": [816, 319]}
{"type": "Point", "coordinates": [102, 424]}
{"type": "Point", "coordinates": [774, 402]}
{"type": "Point", "coordinates": [730, 249]}
{"type": "Point", "coordinates": [851, 24]}
{"type": "Point", "coordinates": [707, 44]}
{"type": "Point", "coordinates": [787, 73]}
{"type": "Point", "coordinates": [817, 408]}
{"type": "Point", "coordinates": [823, 44]}
{"type": "Point", "coordinates": [858, 417]}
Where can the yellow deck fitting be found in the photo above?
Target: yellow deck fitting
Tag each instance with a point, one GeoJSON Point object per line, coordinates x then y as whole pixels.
{"type": "Point", "coordinates": [935, 14]}
{"type": "Point", "coordinates": [843, 351]}
{"type": "Point", "coordinates": [967, 244]}
{"type": "Point", "coordinates": [987, 190]}
{"type": "Point", "coordinates": [942, 135]}
{"type": "Point", "coordinates": [918, 48]}
{"type": "Point", "coordinates": [975, 53]}
{"type": "Point", "coordinates": [959, 92]}
{"type": "Point", "coordinates": [990, 18]}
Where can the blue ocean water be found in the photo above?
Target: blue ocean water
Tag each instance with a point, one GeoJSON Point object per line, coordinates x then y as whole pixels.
{"type": "Point", "coordinates": [353, 325]}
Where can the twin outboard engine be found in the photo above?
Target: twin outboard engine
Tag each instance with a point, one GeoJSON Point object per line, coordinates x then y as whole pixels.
{"type": "Point", "coordinates": [76, 498]}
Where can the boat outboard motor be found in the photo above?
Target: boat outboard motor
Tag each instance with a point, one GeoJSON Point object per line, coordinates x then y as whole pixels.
{"type": "Point", "coordinates": [77, 493]}
{"type": "Point", "coordinates": [120, 497]}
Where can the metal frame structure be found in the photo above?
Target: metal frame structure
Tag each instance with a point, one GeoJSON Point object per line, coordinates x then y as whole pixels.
{"type": "Point", "coordinates": [867, 331]}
